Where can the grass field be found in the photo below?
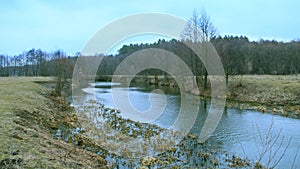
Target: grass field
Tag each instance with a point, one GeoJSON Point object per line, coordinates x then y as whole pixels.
{"type": "Point", "coordinates": [274, 94]}
{"type": "Point", "coordinates": [27, 118]}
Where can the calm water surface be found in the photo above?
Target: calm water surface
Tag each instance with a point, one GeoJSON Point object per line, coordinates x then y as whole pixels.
{"type": "Point", "coordinates": [237, 132]}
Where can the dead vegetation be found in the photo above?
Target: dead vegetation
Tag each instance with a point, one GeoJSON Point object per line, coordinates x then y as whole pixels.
{"type": "Point", "coordinates": [28, 117]}
{"type": "Point", "coordinates": [274, 94]}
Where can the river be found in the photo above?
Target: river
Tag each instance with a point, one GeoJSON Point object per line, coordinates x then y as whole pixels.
{"type": "Point", "coordinates": [239, 131]}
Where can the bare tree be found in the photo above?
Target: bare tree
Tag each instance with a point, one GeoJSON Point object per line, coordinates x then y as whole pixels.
{"type": "Point", "coordinates": [2, 64]}
{"type": "Point", "coordinates": [200, 29]}
{"type": "Point", "coordinates": [60, 61]}
{"type": "Point", "coordinates": [208, 30]}
{"type": "Point", "coordinates": [191, 31]}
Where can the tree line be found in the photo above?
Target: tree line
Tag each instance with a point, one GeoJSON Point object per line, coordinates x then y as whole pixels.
{"type": "Point", "coordinates": [239, 55]}
{"type": "Point", "coordinates": [39, 63]}
{"type": "Point", "coordinates": [35, 62]}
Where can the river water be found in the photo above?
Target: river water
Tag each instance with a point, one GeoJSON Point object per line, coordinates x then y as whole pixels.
{"type": "Point", "coordinates": [243, 132]}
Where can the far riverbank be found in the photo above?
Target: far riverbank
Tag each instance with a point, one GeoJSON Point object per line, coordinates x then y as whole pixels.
{"type": "Point", "coordinates": [276, 94]}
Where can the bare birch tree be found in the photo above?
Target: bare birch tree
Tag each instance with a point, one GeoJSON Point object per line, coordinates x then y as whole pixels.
{"type": "Point", "coordinates": [199, 29]}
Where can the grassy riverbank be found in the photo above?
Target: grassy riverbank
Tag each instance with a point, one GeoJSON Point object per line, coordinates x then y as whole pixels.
{"type": "Point", "coordinates": [273, 94]}
{"type": "Point", "coordinates": [266, 93]}
{"type": "Point", "coordinates": [28, 115]}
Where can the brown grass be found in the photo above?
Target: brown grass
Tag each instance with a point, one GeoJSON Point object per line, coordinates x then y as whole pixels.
{"type": "Point", "coordinates": [27, 116]}
{"type": "Point", "coordinates": [267, 93]}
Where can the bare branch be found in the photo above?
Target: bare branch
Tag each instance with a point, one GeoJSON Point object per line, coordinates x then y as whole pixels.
{"type": "Point", "coordinates": [199, 28]}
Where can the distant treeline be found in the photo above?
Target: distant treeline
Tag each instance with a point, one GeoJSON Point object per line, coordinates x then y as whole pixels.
{"type": "Point", "coordinates": [239, 56]}
{"type": "Point", "coordinates": [36, 63]}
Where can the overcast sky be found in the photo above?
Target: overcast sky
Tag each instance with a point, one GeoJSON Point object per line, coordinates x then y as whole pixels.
{"type": "Point", "coordinates": [69, 24]}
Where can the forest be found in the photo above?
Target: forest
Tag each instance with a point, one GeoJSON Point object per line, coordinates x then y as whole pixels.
{"type": "Point", "coordinates": [239, 57]}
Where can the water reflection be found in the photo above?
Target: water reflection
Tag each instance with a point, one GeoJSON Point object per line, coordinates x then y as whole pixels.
{"type": "Point", "coordinates": [239, 131]}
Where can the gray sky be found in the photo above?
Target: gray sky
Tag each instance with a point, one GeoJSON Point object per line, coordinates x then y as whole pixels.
{"type": "Point", "coordinates": [68, 24]}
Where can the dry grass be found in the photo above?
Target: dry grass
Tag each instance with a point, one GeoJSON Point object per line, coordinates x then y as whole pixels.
{"type": "Point", "coordinates": [27, 116]}
{"type": "Point", "coordinates": [26, 119]}
{"type": "Point", "coordinates": [276, 94]}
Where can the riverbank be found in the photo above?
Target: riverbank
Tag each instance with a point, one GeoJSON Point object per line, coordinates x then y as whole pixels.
{"type": "Point", "coordinates": [276, 94]}
{"type": "Point", "coordinates": [29, 115]}
{"type": "Point", "coordinates": [266, 93]}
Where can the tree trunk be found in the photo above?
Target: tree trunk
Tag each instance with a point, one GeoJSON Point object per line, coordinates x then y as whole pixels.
{"type": "Point", "coordinates": [205, 79]}
{"type": "Point", "coordinates": [226, 79]}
